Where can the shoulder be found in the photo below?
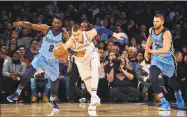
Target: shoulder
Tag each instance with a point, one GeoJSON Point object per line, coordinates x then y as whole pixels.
{"type": "Point", "coordinates": [166, 33]}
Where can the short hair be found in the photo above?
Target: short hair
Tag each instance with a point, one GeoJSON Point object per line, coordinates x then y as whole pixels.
{"type": "Point", "coordinates": [75, 28]}
{"type": "Point", "coordinates": [177, 53]}
{"type": "Point", "coordinates": [134, 49]}
{"type": "Point", "coordinates": [57, 17]}
{"type": "Point", "coordinates": [3, 45]}
{"type": "Point", "coordinates": [160, 16]}
{"type": "Point", "coordinates": [33, 40]}
{"type": "Point", "coordinates": [21, 46]}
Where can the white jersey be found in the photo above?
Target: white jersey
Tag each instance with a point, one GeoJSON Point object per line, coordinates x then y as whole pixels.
{"type": "Point", "coordinates": [89, 46]}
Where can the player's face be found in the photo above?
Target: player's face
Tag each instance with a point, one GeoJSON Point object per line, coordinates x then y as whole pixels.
{"type": "Point", "coordinates": [157, 23]}
{"type": "Point", "coordinates": [77, 35]}
{"type": "Point", "coordinates": [57, 24]}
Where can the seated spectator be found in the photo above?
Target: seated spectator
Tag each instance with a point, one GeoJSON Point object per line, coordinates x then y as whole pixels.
{"type": "Point", "coordinates": [23, 57]}
{"type": "Point", "coordinates": [5, 53]}
{"type": "Point", "coordinates": [121, 41]}
{"type": "Point", "coordinates": [13, 70]}
{"type": "Point", "coordinates": [135, 44]}
{"type": "Point", "coordinates": [25, 40]}
{"type": "Point", "coordinates": [119, 78]}
{"type": "Point", "coordinates": [142, 74]}
{"type": "Point", "coordinates": [109, 49]}
{"type": "Point", "coordinates": [31, 52]}
{"type": "Point", "coordinates": [43, 82]}
{"type": "Point", "coordinates": [124, 56]}
{"type": "Point", "coordinates": [12, 47]}
{"type": "Point", "coordinates": [132, 52]}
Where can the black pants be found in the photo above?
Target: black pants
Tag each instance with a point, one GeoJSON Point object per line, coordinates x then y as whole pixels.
{"type": "Point", "coordinates": [103, 89]}
{"type": "Point", "coordinates": [74, 75]}
{"type": "Point", "coordinates": [183, 88]}
{"type": "Point", "coordinates": [157, 86]}
{"type": "Point", "coordinates": [10, 85]}
{"type": "Point", "coordinates": [124, 93]}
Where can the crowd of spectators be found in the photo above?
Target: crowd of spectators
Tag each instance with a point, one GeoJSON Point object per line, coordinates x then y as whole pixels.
{"type": "Point", "coordinates": [122, 58]}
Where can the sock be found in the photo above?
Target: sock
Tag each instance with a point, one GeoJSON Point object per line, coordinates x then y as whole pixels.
{"type": "Point", "coordinates": [163, 100]}
{"type": "Point", "coordinates": [18, 91]}
{"type": "Point", "coordinates": [52, 98]}
{"type": "Point", "coordinates": [94, 92]}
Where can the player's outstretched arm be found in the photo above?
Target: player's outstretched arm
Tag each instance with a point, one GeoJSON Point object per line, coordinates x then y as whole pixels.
{"type": "Point", "coordinates": [65, 36]}
{"type": "Point", "coordinates": [92, 33]}
{"type": "Point", "coordinates": [43, 27]}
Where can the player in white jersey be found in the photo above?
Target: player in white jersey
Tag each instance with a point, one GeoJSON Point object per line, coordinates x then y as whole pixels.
{"type": "Point", "coordinates": [45, 59]}
{"type": "Point", "coordinates": [88, 64]}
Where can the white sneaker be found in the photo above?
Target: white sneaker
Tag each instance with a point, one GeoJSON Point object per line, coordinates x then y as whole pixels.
{"type": "Point", "coordinates": [95, 101]}
{"type": "Point", "coordinates": [91, 108]}
{"type": "Point", "coordinates": [92, 113]}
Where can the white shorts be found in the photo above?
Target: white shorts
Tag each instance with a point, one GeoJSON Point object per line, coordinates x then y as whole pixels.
{"type": "Point", "coordinates": [84, 67]}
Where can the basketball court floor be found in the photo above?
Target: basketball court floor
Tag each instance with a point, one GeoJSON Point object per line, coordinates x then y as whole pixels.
{"type": "Point", "coordinates": [127, 109]}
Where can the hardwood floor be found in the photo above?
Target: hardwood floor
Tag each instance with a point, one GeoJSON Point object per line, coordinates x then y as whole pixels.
{"type": "Point", "coordinates": [128, 109]}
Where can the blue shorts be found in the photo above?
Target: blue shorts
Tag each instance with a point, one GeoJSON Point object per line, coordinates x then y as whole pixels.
{"type": "Point", "coordinates": [165, 64]}
{"type": "Point", "coordinates": [51, 67]}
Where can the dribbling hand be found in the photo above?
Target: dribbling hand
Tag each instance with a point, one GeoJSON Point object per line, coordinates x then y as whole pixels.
{"type": "Point", "coordinates": [81, 53]}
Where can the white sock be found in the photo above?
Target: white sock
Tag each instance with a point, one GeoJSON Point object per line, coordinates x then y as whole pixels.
{"type": "Point", "coordinates": [94, 92]}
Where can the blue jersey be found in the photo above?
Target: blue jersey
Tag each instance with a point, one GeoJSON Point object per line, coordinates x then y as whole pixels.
{"type": "Point", "coordinates": [157, 40]}
{"type": "Point", "coordinates": [49, 43]}
{"type": "Point", "coordinates": [165, 62]}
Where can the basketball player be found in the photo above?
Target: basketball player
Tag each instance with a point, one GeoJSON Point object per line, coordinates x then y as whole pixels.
{"type": "Point", "coordinates": [88, 64]}
{"type": "Point", "coordinates": [45, 59]}
{"type": "Point", "coordinates": [163, 60]}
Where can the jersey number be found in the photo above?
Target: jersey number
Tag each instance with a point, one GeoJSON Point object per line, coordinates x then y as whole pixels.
{"type": "Point", "coordinates": [158, 46]}
{"type": "Point", "coordinates": [51, 47]}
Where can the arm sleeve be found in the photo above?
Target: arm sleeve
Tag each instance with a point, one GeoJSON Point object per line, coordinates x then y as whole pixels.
{"type": "Point", "coordinates": [103, 31]}
{"type": "Point", "coordinates": [72, 52]}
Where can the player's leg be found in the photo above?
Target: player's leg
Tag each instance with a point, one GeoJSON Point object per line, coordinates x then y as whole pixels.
{"type": "Point", "coordinates": [178, 94]}
{"type": "Point", "coordinates": [52, 70]}
{"type": "Point", "coordinates": [95, 100]}
{"type": "Point", "coordinates": [53, 90]}
{"type": "Point", "coordinates": [24, 81]}
{"type": "Point", "coordinates": [171, 72]}
{"type": "Point", "coordinates": [154, 73]}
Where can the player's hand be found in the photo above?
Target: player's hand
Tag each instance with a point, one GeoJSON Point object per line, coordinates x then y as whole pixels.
{"type": "Point", "coordinates": [119, 35]}
{"type": "Point", "coordinates": [13, 75]}
{"type": "Point", "coordinates": [81, 53]}
{"type": "Point", "coordinates": [18, 24]}
{"type": "Point", "coordinates": [61, 77]}
{"type": "Point", "coordinates": [39, 76]}
{"type": "Point", "coordinates": [147, 49]}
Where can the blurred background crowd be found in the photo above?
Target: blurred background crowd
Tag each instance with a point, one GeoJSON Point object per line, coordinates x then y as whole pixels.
{"type": "Point", "coordinates": [131, 81]}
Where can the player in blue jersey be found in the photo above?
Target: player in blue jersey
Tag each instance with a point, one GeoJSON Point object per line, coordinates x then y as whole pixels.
{"type": "Point", "coordinates": [45, 59]}
{"type": "Point", "coordinates": [163, 61]}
